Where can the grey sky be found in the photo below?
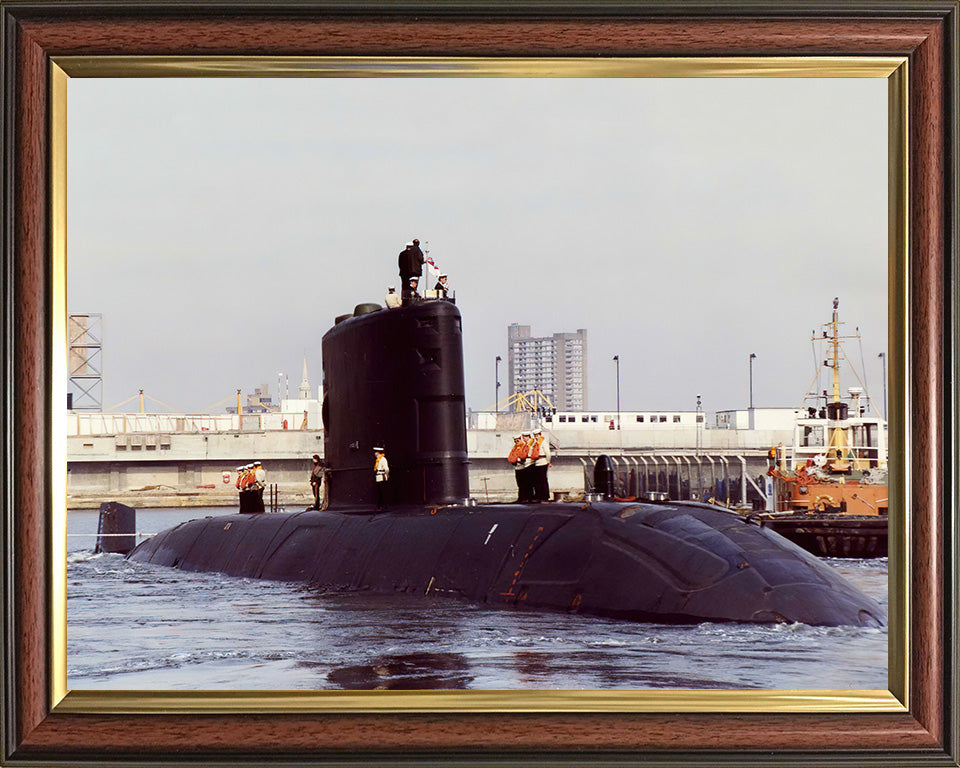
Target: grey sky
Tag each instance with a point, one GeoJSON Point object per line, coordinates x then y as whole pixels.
{"type": "Point", "coordinates": [220, 225]}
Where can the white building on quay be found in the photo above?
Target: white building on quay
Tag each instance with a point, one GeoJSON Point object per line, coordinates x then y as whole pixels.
{"type": "Point", "coordinates": [150, 460]}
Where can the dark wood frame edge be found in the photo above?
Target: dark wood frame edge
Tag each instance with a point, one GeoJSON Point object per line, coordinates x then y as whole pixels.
{"type": "Point", "coordinates": [926, 735]}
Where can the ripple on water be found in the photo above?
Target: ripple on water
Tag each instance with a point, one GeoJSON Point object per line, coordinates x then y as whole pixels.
{"type": "Point", "coordinates": [135, 625]}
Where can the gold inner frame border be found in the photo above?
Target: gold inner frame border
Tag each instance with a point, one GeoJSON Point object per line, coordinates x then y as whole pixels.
{"type": "Point", "coordinates": [895, 699]}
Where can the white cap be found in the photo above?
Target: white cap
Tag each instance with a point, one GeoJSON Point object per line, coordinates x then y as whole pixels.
{"type": "Point", "coordinates": [391, 288]}
{"type": "Point", "coordinates": [538, 431]}
{"type": "Point", "coordinates": [378, 448]}
{"type": "Point", "coordinates": [526, 432]}
{"type": "Point", "coordinates": [410, 244]}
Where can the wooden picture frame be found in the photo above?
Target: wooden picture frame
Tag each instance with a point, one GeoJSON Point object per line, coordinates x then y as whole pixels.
{"type": "Point", "coordinates": [35, 34]}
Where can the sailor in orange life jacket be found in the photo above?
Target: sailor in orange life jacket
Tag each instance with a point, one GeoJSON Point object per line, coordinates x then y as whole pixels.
{"type": "Point", "coordinates": [240, 471]}
{"type": "Point", "coordinates": [526, 471]}
{"type": "Point", "coordinates": [246, 479]}
{"type": "Point", "coordinates": [244, 483]}
{"type": "Point", "coordinates": [259, 476]}
{"type": "Point", "coordinates": [540, 458]}
{"type": "Point", "coordinates": [516, 459]}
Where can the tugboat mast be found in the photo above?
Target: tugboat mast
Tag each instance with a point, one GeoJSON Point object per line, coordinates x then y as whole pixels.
{"type": "Point", "coordinates": [837, 445]}
{"type": "Point", "coordinates": [835, 342]}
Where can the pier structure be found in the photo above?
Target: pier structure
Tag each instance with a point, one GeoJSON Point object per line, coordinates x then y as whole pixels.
{"type": "Point", "coordinates": [148, 460]}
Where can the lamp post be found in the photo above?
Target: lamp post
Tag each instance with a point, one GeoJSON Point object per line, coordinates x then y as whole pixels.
{"type": "Point", "coordinates": [497, 379]}
{"type": "Point", "coordinates": [752, 357]}
{"type": "Point", "coordinates": [883, 359]}
{"type": "Point", "coordinates": [699, 424]}
{"type": "Point", "coordinates": [616, 359]}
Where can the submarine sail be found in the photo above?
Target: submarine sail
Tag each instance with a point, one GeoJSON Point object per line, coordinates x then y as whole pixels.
{"type": "Point", "coordinates": [395, 377]}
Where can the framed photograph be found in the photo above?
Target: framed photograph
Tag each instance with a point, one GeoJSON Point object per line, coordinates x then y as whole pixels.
{"type": "Point", "coordinates": [912, 50]}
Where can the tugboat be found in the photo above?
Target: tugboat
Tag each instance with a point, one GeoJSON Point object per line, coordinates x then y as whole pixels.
{"type": "Point", "coordinates": [393, 382]}
{"type": "Point", "coordinates": [830, 494]}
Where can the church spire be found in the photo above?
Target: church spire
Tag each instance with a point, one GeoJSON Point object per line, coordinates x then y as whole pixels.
{"type": "Point", "coordinates": [305, 382]}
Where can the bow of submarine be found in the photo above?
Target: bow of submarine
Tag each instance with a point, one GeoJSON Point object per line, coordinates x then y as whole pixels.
{"type": "Point", "coordinates": [689, 562]}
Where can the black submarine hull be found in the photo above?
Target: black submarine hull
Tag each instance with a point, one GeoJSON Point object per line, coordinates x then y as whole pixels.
{"type": "Point", "coordinates": [670, 563]}
{"type": "Point", "coordinates": [394, 379]}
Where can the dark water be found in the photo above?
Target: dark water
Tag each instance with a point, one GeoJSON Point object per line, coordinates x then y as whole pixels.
{"type": "Point", "coordinates": [139, 626]}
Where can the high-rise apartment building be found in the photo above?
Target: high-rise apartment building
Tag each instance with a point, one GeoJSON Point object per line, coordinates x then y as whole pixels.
{"type": "Point", "coordinates": [556, 365]}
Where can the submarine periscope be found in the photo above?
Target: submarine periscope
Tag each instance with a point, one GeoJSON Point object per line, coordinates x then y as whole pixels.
{"type": "Point", "coordinates": [394, 378]}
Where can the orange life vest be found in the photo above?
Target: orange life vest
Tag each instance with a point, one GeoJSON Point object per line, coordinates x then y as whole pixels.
{"type": "Point", "coordinates": [535, 448]}
{"type": "Point", "coordinates": [524, 450]}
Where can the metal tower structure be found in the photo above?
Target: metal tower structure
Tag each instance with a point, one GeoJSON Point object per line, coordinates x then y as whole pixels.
{"type": "Point", "coordinates": [85, 362]}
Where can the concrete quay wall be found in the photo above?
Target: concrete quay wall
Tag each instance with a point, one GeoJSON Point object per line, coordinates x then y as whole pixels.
{"type": "Point", "coordinates": [191, 469]}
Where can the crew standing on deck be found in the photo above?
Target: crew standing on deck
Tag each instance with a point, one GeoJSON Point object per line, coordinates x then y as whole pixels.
{"type": "Point", "coordinates": [524, 469]}
{"type": "Point", "coordinates": [259, 483]}
{"type": "Point", "coordinates": [250, 485]}
{"type": "Point", "coordinates": [392, 300]}
{"type": "Point", "coordinates": [540, 456]}
{"type": "Point", "coordinates": [381, 475]}
{"type": "Point", "coordinates": [241, 487]}
{"type": "Point", "coordinates": [527, 473]}
{"type": "Point", "coordinates": [516, 459]}
{"type": "Point", "coordinates": [317, 478]}
{"type": "Point", "coordinates": [442, 287]}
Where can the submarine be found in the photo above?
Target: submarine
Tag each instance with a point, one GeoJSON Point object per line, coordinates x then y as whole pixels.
{"type": "Point", "coordinates": [394, 378]}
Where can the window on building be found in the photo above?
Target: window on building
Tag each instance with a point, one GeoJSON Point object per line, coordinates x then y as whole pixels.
{"type": "Point", "coordinates": [699, 417]}
{"type": "Point", "coordinates": [663, 419]}
{"type": "Point", "coordinates": [640, 419]}
{"type": "Point", "coordinates": [676, 419]}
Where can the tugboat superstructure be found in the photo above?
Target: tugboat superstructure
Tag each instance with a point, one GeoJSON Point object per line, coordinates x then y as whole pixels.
{"type": "Point", "coordinates": [831, 492]}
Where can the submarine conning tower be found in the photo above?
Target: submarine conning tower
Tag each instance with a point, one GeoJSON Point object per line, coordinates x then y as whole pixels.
{"type": "Point", "coordinates": [394, 377]}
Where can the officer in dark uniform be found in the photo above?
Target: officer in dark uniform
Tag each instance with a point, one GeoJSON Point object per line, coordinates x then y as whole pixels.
{"type": "Point", "coordinates": [410, 262]}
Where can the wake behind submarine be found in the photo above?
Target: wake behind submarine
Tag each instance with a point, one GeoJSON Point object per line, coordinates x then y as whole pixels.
{"type": "Point", "coordinates": [394, 377]}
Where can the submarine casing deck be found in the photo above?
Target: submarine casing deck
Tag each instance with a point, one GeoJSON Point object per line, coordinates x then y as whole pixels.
{"type": "Point", "coordinates": [643, 562]}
